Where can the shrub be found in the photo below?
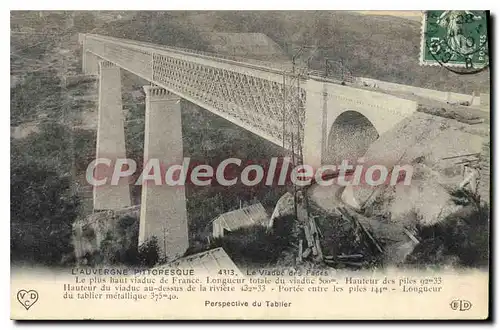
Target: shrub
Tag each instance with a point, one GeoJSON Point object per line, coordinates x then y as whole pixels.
{"type": "Point", "coordinates": [251, 245]}
{"type": "Point", "coordinates": [461, 239]}
{"type": "Point", "coordinates": [149, 252]}
{"type": "Point", "coordinates": [42, 212]}
{"type": "Point", "coordinates": [120, 245]}
{"type": "Point", "coordinates": [89, 233]}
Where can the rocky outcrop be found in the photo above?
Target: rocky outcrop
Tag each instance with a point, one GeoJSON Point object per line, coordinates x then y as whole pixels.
{"type": "Point", "coordinates": [436, 149]}
{"type": "Point", "coordinates": [88, 233]}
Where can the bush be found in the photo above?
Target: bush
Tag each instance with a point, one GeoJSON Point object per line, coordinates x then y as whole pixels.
{"type": "Point", "coordinates": [120, 245]}
{"type": "Point", "coordinates": [149, 252]}
{"type": "Point", "coordinates": [251, 245]}
{"type": "Point", "coordinates": [88, 233]}
{"type": "Point", "coordinates": [45, 85]}
{"type": "Point", "coordinates": [283, 227]}
{"type": "Point", "coordinates": [42, 212]}
{"type": "Point", "coordinates": [462, 239]}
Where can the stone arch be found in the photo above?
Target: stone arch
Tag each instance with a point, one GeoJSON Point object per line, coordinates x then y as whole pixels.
{"type": "Point", "coordinates": [349, 137]}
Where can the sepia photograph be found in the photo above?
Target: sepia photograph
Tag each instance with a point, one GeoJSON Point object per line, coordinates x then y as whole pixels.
{"type": "Point", "coordinates": [191, 164]}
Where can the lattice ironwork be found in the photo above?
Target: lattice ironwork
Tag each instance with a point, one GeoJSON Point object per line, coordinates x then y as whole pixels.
{"type": "Point", "coordinates": [239, 93]}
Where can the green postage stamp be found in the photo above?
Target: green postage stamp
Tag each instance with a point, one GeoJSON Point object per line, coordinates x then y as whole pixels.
{"type": "Point", "coordinates": [456, 38]}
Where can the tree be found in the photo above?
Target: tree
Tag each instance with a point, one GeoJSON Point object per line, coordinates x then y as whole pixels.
{"type": "Point", "coordinates": [42, 213]}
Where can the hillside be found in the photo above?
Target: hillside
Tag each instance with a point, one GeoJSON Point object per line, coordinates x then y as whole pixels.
{"type": "Point", "coordinates": [51, 153]}
{"type": "Point", "coordinates": [380, 47]}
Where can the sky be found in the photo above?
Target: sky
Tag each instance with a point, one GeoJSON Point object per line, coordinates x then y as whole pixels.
{"type": "Point", "coordinates": [409, 14]}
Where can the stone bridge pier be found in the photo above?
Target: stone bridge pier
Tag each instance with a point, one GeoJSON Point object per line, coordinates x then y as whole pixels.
{"type": "Point", "coordinates": [90, 63]}
{"type": "Point", "coordinates": [163, 207]}
{"type": "Point", "coordinates": [110, 140]}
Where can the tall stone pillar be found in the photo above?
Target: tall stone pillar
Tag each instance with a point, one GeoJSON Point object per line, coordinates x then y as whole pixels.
{"type": "Point", "coordinates": [110, 140]}
{"type": "Point", "coordinates": [90, 63]}
{"type": "Point", "coordinates": [163, 207]}
{"type": "Point", "coordinates": [315, 129]}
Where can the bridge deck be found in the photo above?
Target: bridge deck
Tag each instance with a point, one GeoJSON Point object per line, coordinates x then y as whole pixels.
{"type": "Point", "coordinates": [259, 96]}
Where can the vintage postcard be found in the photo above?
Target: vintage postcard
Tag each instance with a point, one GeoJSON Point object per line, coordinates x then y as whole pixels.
{"type": "Point", "coordinates": [250, 165]}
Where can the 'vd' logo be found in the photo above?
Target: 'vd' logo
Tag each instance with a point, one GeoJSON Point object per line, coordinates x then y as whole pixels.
{"type": "Point", "coordinates": [27, 298]}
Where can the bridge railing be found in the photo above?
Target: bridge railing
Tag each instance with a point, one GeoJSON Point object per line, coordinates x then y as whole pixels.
{"type": "Point", "coordinates": [134, 58]}
{"type": "Point", "coordinates": [280, 66]}
{"type": "Point", "coordinates": [263, 99]}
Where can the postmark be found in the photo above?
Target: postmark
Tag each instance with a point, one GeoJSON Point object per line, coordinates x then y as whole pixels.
{"type": "Point", "coordinates": [455, 38]}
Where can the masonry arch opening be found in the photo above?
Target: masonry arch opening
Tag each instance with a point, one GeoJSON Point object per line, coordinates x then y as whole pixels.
{"type": "Point", "coordinates": [350, 136]}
